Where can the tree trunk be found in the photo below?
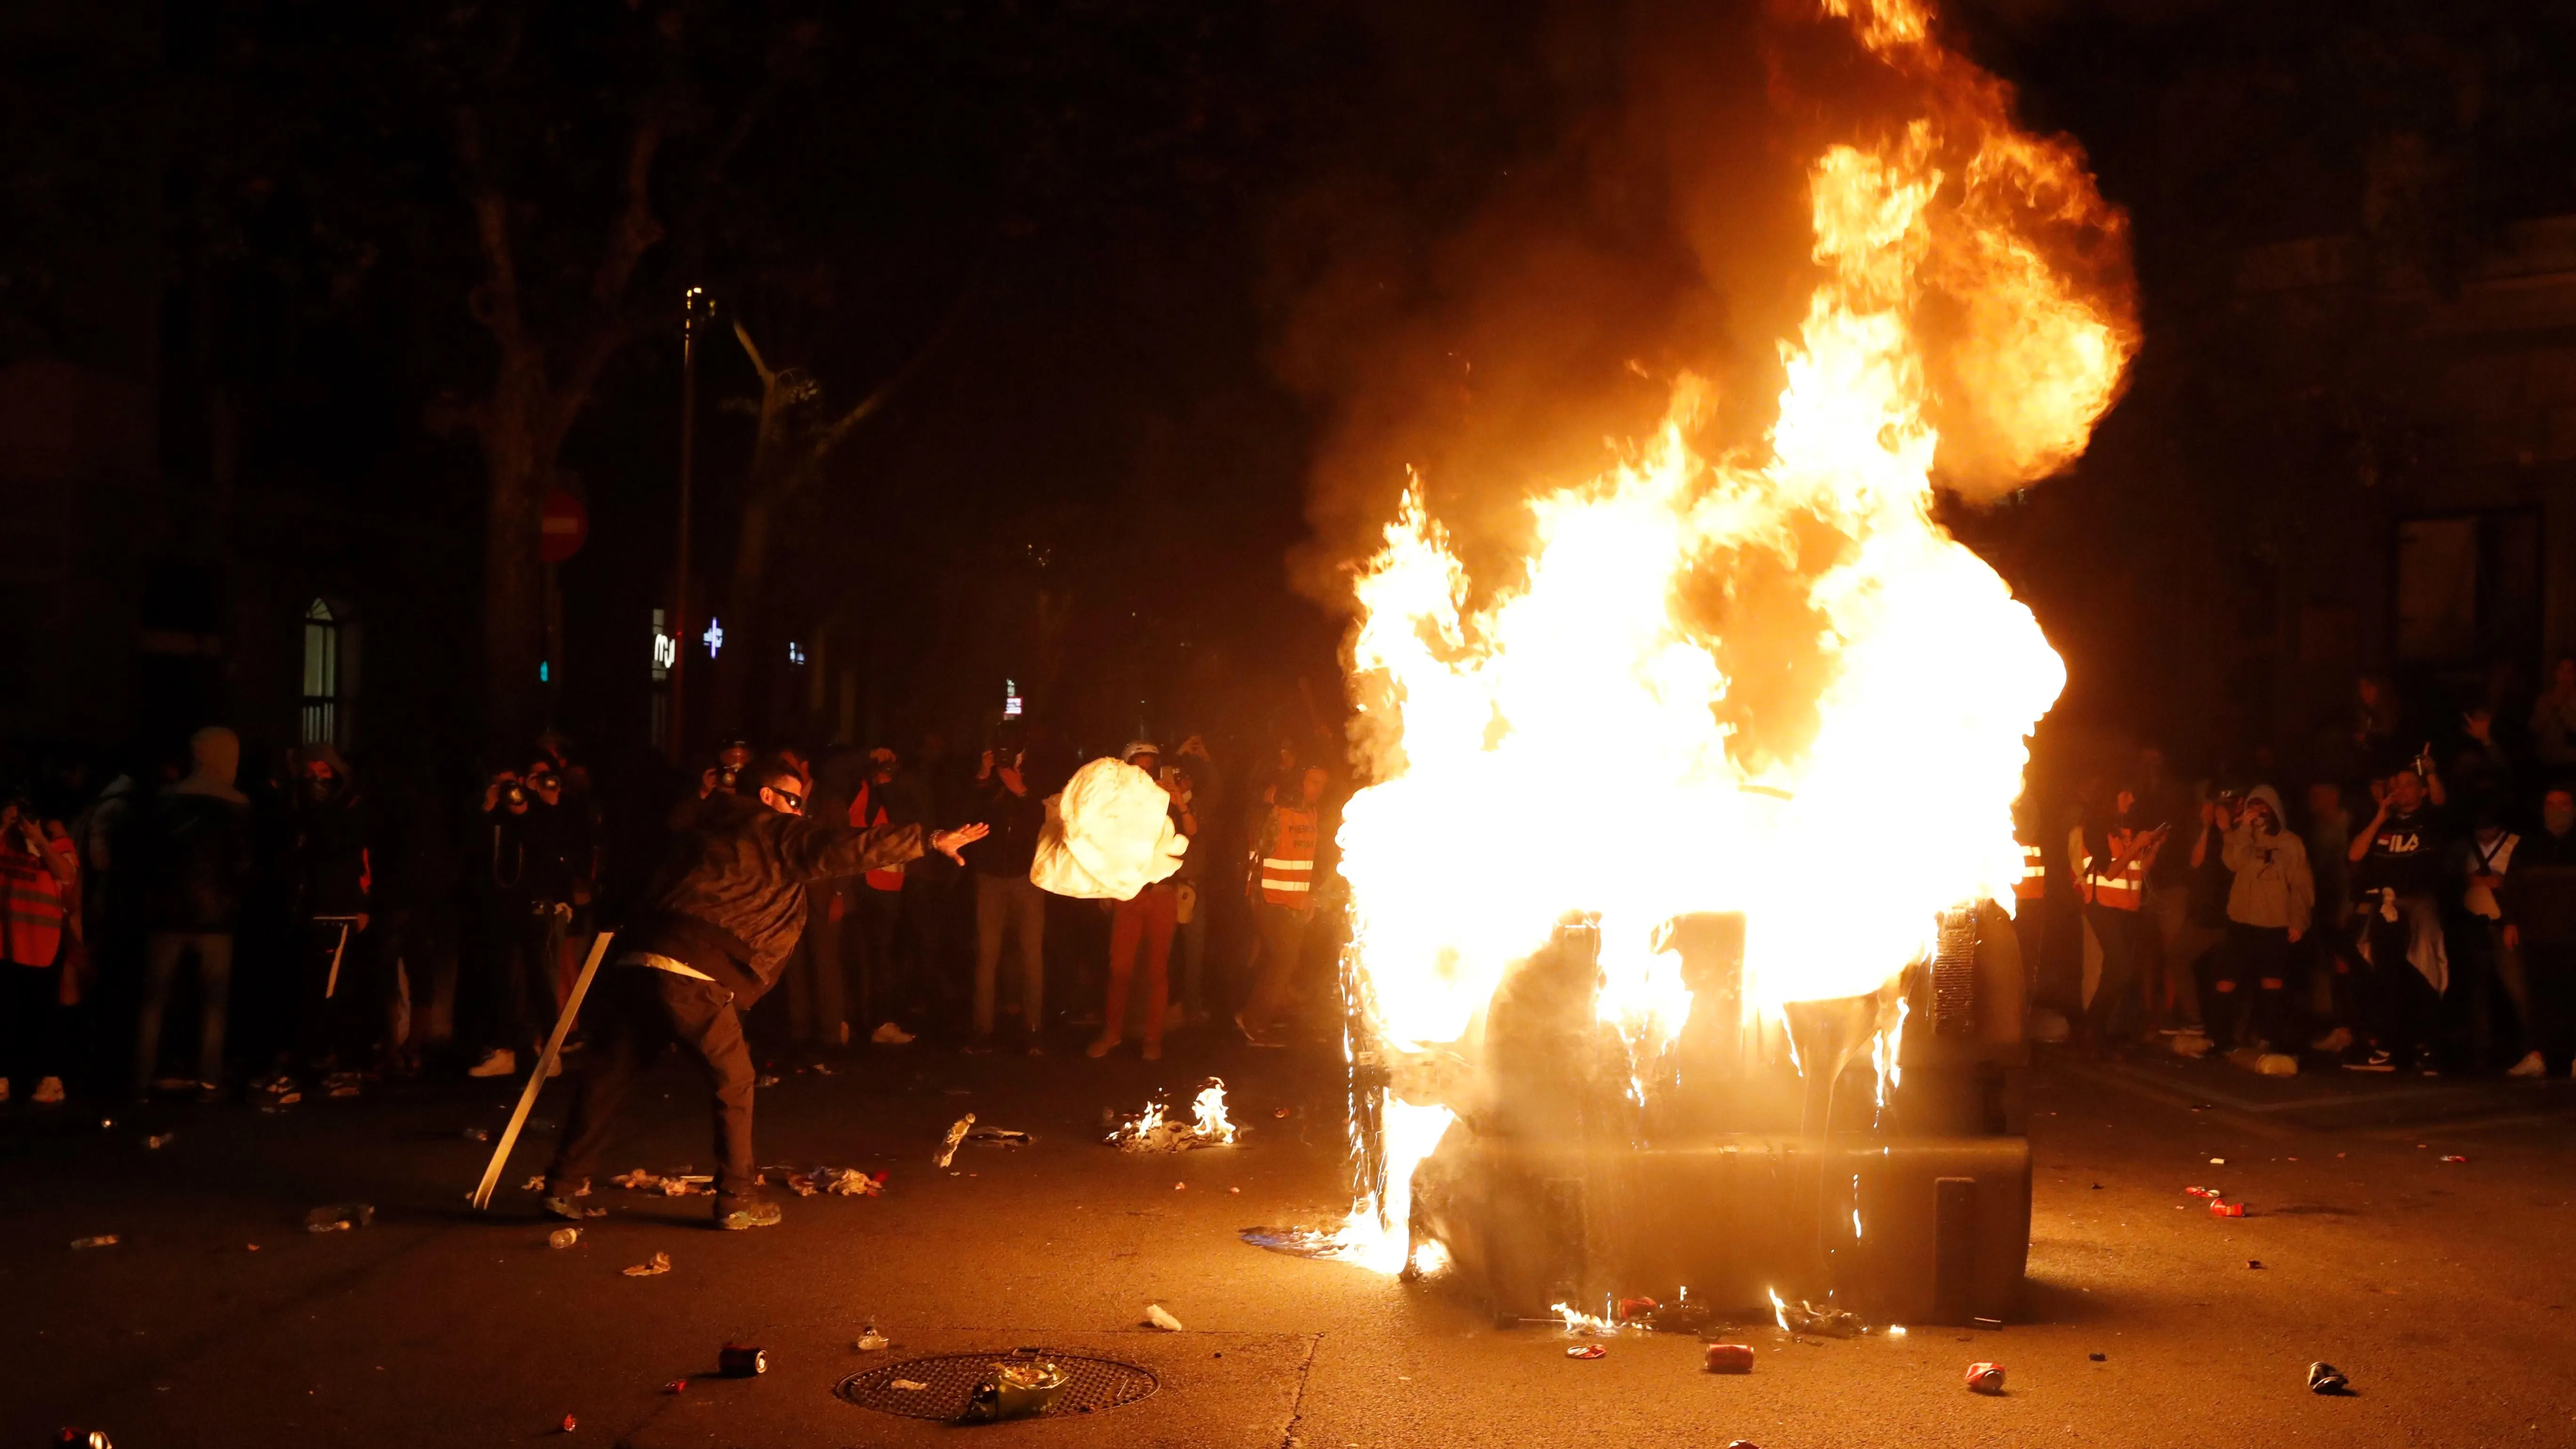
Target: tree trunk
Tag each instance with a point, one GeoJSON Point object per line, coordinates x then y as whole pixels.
{"type": "Point", "coordinates": [518, 458]}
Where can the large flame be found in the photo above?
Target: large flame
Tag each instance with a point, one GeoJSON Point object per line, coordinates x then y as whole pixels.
{"type": "Point", "coordinates": [1574, 746]}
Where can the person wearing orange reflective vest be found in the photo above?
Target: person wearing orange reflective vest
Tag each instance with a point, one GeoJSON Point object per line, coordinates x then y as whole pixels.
{"type": "Point", "coordinates": [2115, 856]}
{"type": "Point", "coordinates": [40, 930]}
{"type": "Point", "coordinates": [1282, 886]}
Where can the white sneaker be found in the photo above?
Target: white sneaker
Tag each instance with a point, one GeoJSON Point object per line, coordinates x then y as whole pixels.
{"type": "Point", "coordinates": [499, 1062]}
{"type": "Point", "coordinates": [891, 1034]}
{"type": "Point", "coordinates": [2189, 1044]}
{"type": "Point", "coordinates": [2530, 1066]}
{"type": "Point", "coordinates": [2333, 1041]}
{"type": "Point", "coordinates": [49, 1092]}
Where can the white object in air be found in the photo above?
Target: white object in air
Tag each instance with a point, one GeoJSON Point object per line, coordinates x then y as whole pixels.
{"type": "Point", "coordinates": [1108, 836]}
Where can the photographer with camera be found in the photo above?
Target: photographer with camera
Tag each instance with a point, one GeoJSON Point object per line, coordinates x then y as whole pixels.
{"type": "Point", "coordinates": [2400, 858]}
{"type": "Point", "coordinates": [714, 936]}
{"type": "Point", "coordinates": [540, 868]}
{"type": "Point", "coordinates": [1005, 898]}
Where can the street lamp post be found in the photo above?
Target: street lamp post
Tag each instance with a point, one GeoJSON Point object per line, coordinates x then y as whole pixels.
{"type": "Point", "coordinates": [693, 306]}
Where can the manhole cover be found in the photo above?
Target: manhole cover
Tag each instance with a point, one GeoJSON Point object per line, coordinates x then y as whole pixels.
{"type": "Point", "coordinates": [948, 1380]}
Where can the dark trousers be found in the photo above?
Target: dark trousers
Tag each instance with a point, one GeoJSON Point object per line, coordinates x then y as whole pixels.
{"type": "Point", "coordinates": [2401, 1008]}
{"type": "Point", "coordinates": [1282, 934]}
{"type": "Point", "coordinates": [2247, 998]}
{"type": "Point", "coordinates": [32, 1022]}
{"type": "Point", "coordinates": [2551, 973]}
{"type": "Point", "coordinates": [532, 969]}
{"type": "Point", "coordinates": [339, 1014]}
{"type": "Point", "coordinates": [633, 1013]}
{"type": "Point", "coordinates": [885, 975]}
{"type": "Point", "coordinates": [2124, 936]}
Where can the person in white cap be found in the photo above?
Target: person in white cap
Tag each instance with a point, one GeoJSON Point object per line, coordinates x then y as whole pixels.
{"type": "Point", "coordinates": [1147, 919]}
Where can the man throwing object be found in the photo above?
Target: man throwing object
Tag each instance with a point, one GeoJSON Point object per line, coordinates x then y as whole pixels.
{"type": "Point", "coordinates": [715, 934]}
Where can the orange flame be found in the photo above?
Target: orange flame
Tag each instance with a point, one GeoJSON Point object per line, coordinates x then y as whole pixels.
{"type": "Point", "coordinates": [1928, 675]}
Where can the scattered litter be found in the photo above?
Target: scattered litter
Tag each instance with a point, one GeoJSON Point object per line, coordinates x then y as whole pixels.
{"type": "Point", "coordinates": [890, 1035]}
{"type": "Point", "coordinates": [2455, 1158]}
{"type": "Point", "coordinates": [765, 1080]}
{"type": "Point", "coordinates": [1805, 1317]}
{"type": "Point", "coordinates": [1156, 1316]}
{"type": "Point", "coordinates": [534, 1184]}
{"type": "Point", "coordinates": [1742, 1444]}
{"type": "Point", "coordinates": [1018, 1390]}
{"type": "Point", "coordinates": [956, 1134]}
{"type": "Point", "coordinates": [1002, 1136]}
{"type": "Point", "coordinates": [570, 1423]}
{"type": "Point", "coordinates": [676, 1386]}
{"type": "Point", "coordinates": [850, 1182]}
{"type": "Point", "coordinates": [1730, 1358]}
{"type": "Point", "coordinates": [563, 1237]}
{"type": "Point", "coordinates": [909, 1386]}
{"type": "Point", "coordinates": [2226, 1209]}
{"type": "Point", "coordinates": [2325, 1378]}
{"type": "Point", "coordinates": [158, 1140]}
{"type": "Point", "coordinates": [2205, 1192]}
{"type": "Point", "coordinates": [1234, 1190]}
{"type": "Point", "coordinates": [823, 1069]}
{"type": "Point", "coordinates": [2253, 1262]}
{"type": "Point", "coordinates": [2099, 1357]}
{"type": "Point", "coordinates": [1280, 1112]}
{"type": "Point", "coordinates": [1986, 1378]}
{"type": "Point", "coordinates": [1637, 1309]}
{"type": "Point", "coordinates": [103, 1240]}
{"type": "Point", "coordinates": [872, 1341]}
{"type": "Point", "coordinates": [339, 1217]}
{"type": "Point", "coordinates": [741, 1361]}
{"type": "Point", "coordinates": [1154, 1131]}
{"type": "Point", "coordinates": [661, 1264]}
{"type": "Point", "coordinates": [677, 1184]}
{"type": "Point", "coordinates": [83, 1439]}
{"type": "Point", "coordinates": [1587, 1350]}
{"type": "Point", "coordinates": [478, 1134]}
{"type": "Point", "coordinates": [2218, 1162]}
{"type": "Point", "coordinates": [1180, 1187]}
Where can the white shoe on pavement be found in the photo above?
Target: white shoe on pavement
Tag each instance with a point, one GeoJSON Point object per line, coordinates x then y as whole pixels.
{"type": "Point", "coordinates": [499, 1062]}
{"type": "Point", "coordinates": [890, 1034]}
{"type": "Point", "coordinates": [2333, 1041]}
{"type": "Point", "coordinates": [49, 1092]}
{"type": "Point", "coordinates": [2531, 1065]}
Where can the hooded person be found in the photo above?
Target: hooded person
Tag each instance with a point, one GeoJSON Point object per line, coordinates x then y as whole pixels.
{"type": "Point", "coordinates": [332, 877]}
{"type": "Point", "coordinates": [711, 937]}
{"type": "Point", "coordinates": [197, 858]}
{"type": "Point", "coordinates": [2270, 902]}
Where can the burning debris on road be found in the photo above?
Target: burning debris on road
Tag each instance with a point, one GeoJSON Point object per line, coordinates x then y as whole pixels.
{"type": "Point", "coordinates": [1153, 1131]}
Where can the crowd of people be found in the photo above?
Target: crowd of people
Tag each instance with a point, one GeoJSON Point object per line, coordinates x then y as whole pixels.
{"type": "Point", "coordinates": [2416, 912]}
{"type": "Point", "coordinates": [198, 928]}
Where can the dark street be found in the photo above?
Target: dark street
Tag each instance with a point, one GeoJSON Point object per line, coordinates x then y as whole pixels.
{"type": "Point", "coordinates": [216, 1320]}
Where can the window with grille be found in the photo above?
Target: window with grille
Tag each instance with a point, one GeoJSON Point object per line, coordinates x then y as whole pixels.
{"type": "Point", "coordinates": [321, 675]}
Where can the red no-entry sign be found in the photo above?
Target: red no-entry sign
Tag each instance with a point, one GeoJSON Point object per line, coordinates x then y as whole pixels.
{"type": "Point", "coordinates": [562, 527]}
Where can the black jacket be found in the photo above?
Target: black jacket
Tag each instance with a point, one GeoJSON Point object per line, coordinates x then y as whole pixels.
{"type": "Point", "coordinates": [199, 854]}
{"type": "Point", "coordinates": [734, 903]}
{"type": "Point", "coordinates": [2540, 889]}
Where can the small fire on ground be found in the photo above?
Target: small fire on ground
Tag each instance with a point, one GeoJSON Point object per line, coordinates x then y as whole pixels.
{"type": "Point", "coordinates": [1155, 1130]}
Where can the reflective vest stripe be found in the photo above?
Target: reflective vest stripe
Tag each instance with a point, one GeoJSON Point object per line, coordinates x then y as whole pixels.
{"type": "Point", "coordinates": [1288, 875]}
{"type": "Point", "coordinates": [2125, 891]}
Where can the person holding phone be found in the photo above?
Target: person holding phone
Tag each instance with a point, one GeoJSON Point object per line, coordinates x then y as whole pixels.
{"type": "Point", "coordinates": [2400, 858]}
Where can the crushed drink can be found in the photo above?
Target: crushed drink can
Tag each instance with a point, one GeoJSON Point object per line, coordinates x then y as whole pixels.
{"type": "Point", "coordinates": [1635, 1308]}
{"type": "Point", "coordinates": [1588, 1350]}
{"type": "Point", "coordinates": [1986, 1378]}
{"type": "Point", "coordinates": [2226, 1209]}
{"type": "Point", "coordinates": [2202, 1192]}
{"type": "Point", "coordinates": [2325, 1378]}
{"type": "Point", "coordinates": [740, 1362]}
{"type": "Point", "coordinates": [563, 1237]}
{"type": "Point", "coordinates": [1730, 1358]}
{"type": "Point", "coordinates": [570, 1423]}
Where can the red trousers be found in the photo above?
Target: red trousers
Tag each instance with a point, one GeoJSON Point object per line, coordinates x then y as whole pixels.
{"type": "Point", "coordinates": [1149, 918]}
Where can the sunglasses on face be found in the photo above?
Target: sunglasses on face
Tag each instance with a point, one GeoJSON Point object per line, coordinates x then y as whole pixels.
{"type": "Point", "coordinates": [794, 802]}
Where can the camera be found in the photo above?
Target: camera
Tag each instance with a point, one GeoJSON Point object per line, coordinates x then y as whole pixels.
{"type": "Point", "coordinates": [726, 775]}
{"type": "Point", "coordinates": [514, 793]}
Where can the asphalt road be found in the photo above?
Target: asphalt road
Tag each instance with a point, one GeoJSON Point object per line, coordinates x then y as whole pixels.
{"type": "Point", "coordinates": [2445, 1289]}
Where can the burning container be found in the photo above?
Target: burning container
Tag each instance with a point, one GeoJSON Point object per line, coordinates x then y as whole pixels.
{"type": "Point", "coordinates": [1750, 1159]}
